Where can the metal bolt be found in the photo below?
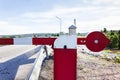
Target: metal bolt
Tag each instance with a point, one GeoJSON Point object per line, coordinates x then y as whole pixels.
{"type": "Point", "coordinates": [96, 41]}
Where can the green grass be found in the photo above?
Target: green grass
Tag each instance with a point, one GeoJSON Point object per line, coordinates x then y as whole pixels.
{"type": "Point", "coordinates": [107, 51]}
{"type": "Point", "coordinates": [117, 59]}
{"type": "Point", "coordinates": [118, 52]}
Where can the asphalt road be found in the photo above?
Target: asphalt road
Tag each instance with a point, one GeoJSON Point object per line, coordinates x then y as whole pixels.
{"type": "Point", "coordinates": [16, 61]}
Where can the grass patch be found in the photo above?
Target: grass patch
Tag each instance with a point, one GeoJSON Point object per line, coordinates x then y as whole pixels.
{"type": "Point", "coordinates": [107, 51]}
{"type": "Point", "coordinates": [118, 52]}
{"type": "Point", "coordinates": [117, 59]}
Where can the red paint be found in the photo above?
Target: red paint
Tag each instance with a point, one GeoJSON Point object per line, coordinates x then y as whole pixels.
{"type": "Point", "coordinates": [103, 41]}
{"type": "Point", "coordinates": [6, 41]}
{"type": "Point", "coordinates": [81, 41]}
{"type": "Point", "coordinates": [65, 64]}
{"type": "Point", "coordinates": [43, 41]}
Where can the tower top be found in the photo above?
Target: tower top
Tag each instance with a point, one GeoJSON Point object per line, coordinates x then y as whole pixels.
{"type": "Point", "coordinates": [72, 27]}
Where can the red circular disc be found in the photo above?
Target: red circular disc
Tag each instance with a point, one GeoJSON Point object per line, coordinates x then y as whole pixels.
{"type": "Point", "coordinates": [96, 41]}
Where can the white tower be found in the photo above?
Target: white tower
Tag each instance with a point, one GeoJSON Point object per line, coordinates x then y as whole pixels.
{"type": "Point", "coordinates": [72, 30]}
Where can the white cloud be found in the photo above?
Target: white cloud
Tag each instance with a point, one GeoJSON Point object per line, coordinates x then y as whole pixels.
{"type": "Point", "coordinates": [52, 13]}
{"type": "Point", "coordinates": [114, 2]}
{"type": "Point", "coordinates": [88, 19]}
{"type": "Point", "coordinates": [107, 1]}
{"type": "Point", "coordinates": [104, 3]}
{"type": "Point", "coordinates": [70, 12]}
{"type": "Point", "coordinates": [111, 23]}
{"type": "Point", "coordinates": [7, 28]}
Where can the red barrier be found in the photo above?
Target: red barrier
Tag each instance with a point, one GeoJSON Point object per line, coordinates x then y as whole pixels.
{"type": "Point", "coordinates": [96, 41]}
{"type": "Point", "coordinates": [43, 41]}
{"type": "Point", "coordinates": [35, 41]}
{"type": "Point", "coordinates": [81, 41]}
{"type": "Point", "coordinates": [65, 64]}
{"type": "Point", "coordinates": [6, 41]}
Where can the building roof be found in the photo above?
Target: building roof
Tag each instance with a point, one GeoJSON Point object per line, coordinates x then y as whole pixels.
{"type": "Point", "coordinates": [72, 27]}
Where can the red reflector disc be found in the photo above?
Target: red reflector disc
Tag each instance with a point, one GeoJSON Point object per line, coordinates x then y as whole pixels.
{"type": "Point", "coordinates": [96, 41]}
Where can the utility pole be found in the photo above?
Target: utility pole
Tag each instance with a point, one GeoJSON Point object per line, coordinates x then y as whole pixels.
{"type": "Point", "coordinates": [60, 23]}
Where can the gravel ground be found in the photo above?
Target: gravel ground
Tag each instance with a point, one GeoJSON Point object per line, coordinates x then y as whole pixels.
{"type": "Point", "coordinates": [93, 68]}
{"type": "Point", "coordinates": [88, 68]}
{"type": "Point", "coordinates": [47, 70]}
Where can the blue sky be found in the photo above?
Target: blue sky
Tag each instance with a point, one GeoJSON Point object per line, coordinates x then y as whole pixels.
{"type": "Point", "coordinates": [39, 16]}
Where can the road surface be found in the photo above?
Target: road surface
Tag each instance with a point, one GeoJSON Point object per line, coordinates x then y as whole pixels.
{"type": "Point", "coordinates": [16, 61]}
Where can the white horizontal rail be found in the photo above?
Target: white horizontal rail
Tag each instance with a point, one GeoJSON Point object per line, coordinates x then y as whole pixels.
{"type": "Point", "coordinates": [43, 53]}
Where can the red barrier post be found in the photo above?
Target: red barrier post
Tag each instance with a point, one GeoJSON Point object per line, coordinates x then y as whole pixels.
{"type": "Point", "coordinates": [65, 54]}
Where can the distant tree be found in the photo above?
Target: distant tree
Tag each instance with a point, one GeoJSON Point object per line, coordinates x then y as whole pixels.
{"type": "Point", "coordinates": [119, 39]}
{"type": "Point", "coordinates": [78, 34]}
{"type": "Point", "coordinates": [18, 36]}
{"type": "Point", "coordinates": [58, 34]}
{"type": "Point", "coordinates": [113, 40]}
{"type": "Point", "coordinates": [34, 36]}
{"type": "Point", "coordinates": [111, 33]}
{"type": "Point", "coordinates": [54, 35]}
{"type": "Point", "coordinates": [4, 36]}
{"type": "Point", "coordinates": [105, 30]}
{"type": "Point", "coordinates": [12, 36]}
{"type": "Point", "coordinates": [114, 37]}
{"type": "Point", "coordinates": [46, 35]}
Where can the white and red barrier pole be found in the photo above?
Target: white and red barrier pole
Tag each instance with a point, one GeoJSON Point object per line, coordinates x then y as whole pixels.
{"type": "Point", "coordinates": [65, 50]}
{"type": "Point", "coordinates": [65, 54]}
{"type": "Point", "coordinates": [27, 41]}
